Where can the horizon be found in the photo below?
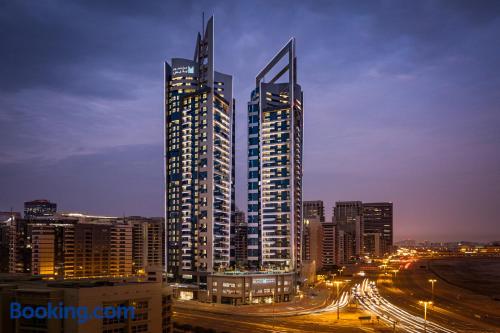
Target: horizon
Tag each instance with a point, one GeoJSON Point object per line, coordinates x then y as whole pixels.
{"type": "Point", "coordinates": [394, 111]}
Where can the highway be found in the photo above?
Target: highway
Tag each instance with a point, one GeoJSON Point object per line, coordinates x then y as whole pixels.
{"type": "Point", "coordinates": [369, 298]}
{"type": "Point", "coordinates": [322, 319]}
{"type": "Point", "coordinates": [320, 322]}
{"type": "Point", "coordinates": [405, 291]}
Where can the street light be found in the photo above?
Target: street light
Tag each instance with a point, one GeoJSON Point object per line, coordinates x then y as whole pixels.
{"type": "Point", "coordinates": [338, 283]}
{"type": "Point", "coordinates": [432, 281]}
{"type": "Point", "coordinates": [273, 309]}
{"type": "Point", "coordinates": [425, 304]}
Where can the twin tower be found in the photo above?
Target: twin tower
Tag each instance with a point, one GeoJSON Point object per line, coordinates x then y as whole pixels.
{"type": "Point", "coordinates": [200, 166]}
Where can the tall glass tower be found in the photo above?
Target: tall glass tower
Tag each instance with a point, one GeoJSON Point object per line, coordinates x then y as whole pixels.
{"type": "Point", "coordinates": [199, 163]}
{"type": "Point", "coordinates": [275, 136]}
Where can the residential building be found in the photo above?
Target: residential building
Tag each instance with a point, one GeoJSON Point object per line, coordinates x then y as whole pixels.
{"type": "Point", "coordinates": [147, 244]}
{"type": "Point", "coordinates": [314, 209]}
{"type": "Point", "coordinates": [378, 219]}
{"type": "Point", "coordinates": [348, 216]}
{"type": "Point", "coordinates": [275, 142]}
{"type": "Point", "coordinates": [199, 183]}
{"type": "Point", "coordinates": [151, 304]}
{"type": "Point", "coordinates": [313, 241]}
{"type": "Point", "coordinates": [329, 246]}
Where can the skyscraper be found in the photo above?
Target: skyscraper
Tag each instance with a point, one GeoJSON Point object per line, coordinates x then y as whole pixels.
{"type": "Point", "coordinates": [199, 140]}
{"type": "Point", "coordinates": [348, 216]}
{"type": "Point", "coordinates": [378, 220]}
{"type": "Point", "coordinates": [275, 123]}
{"type": "Point", "coordinates": [314, 209]}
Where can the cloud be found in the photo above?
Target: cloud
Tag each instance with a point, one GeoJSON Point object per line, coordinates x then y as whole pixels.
{"type": "Point", "coordinates": [409, 90]}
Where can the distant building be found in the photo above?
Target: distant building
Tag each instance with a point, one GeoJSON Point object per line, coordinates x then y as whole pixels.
{"type": "Point", "coordinates": [348, 216]}
{"type": "Point", "coordinates": [329, 246]}
{"type": "Point", "coordinates": [19, 247]}
{"type": "Point", "coordinates": [373, 245]}
{"type": "Point", "coordinates": [314, 209]}
{"type": "Point", "coordinates": [378, 219]}
{"type": "Point", "coordinates": [147, 244]}
{"type": "Point", "coordinates": [39, 208]}
{"type": "Point", "coordinates": [43, 245]}
{"type": "Point", "coordinates": [4, 246]}
{"type": "Point", "coordinates": [81, 247]}
{"type": "Point", "coordinates": [314, 217]}
{"type": "Point", "coordinates": [98, 250]}
{"type": "Point", "coordinates": [5, 216]}
{"type": "Point", "coordinates": [313, 241]}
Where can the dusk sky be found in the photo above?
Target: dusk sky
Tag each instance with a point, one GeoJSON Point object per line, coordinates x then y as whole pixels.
{"type": "Point", "coordinates": [401, 100]}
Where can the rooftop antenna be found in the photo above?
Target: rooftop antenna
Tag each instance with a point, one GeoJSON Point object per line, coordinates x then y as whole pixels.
{"type": "Point", "coordinates": [203, 24]}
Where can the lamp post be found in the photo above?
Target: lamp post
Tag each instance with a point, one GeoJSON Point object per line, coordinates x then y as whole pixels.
{"type": "Point", "coordinates": [338, 283]}
{"type": "Point", "coordinates": [425, 304]}
{"type": "Point", "coordinates": [273, 309]}
{"type": "Point", "coordinates": [432, 281]}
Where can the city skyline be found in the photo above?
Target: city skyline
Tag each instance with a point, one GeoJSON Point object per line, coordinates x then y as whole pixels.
{"type": "Point", "coordinates": [82, 147]}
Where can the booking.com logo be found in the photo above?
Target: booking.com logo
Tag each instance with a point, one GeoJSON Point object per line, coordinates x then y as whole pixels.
{"type": "Point", "coordinates": [80, 313]}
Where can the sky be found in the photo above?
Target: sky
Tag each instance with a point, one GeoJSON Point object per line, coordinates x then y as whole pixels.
{"type": "Point", "coordinates": [401, 102]}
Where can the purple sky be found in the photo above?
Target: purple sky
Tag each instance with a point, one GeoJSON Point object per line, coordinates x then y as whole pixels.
{"type": "Point", "coordinates": [402, 102]}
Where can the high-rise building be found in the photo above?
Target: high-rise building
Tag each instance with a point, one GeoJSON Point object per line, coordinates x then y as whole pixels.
{"type": "Point", "coordinates": [98, 249]}
{"type": "Point", "coordinates": [378, 219]}
{"type": "Point", "coordinates": [19, 247]}
{"type": "Point", "coordinates": [43, 243]}
{"type": "Point", "coordinates": [348, 216]}
{"type": "Point", "coordinates": [313, 241]}
{"type": "Point", "coordinates": [373, 244]}
{"type": "Point", "coordinates": [199, 183]}
{"type": "Point", "coordinates": [147, 244]}
{"type": "Point", "coordinates": [275, 124]}
{"type": "Point", "coordinates": [5, 228]}
{"type": "Point", "coordinates": [329, 246]}
{"type": "Point", "coordinates": [314, 209]}
{"type": "Point", "coordinates": [39, 208]}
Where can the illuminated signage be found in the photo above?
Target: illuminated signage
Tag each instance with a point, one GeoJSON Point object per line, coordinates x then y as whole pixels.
{"type": "Point", "coordinates": [183, 70]}
{"type": "Point", "coordinates": [263, 280]}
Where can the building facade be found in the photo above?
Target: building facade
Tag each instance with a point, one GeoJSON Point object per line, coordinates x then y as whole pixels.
{"type": "Point", "coordinates": [313, 241]}
{"type": "Point", "coordinates": [68, 247]}
{"type": "Point", "coordinates": [147, 244]}
{"type": "Point", "coordinates": [329, 246]}
{"type": "Point", "coordinates": [378, 219]}
{"type": "Point", "coordinates": [314, 209]}
{"type": "Point", "coordinates": [151, 304]}
{"type": "Point", "coordinates": [348, 216]}
{"type": "Point", "coordinates": [275, 141]}
{"type": "Point", "coordinates": [39, 208]}
{"type": "Point", "coordinates": [199, 183]}
{"type": "Point", "coordinates": [240, 288]}
{"type": "Point", "coordinates": [239, 245]}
